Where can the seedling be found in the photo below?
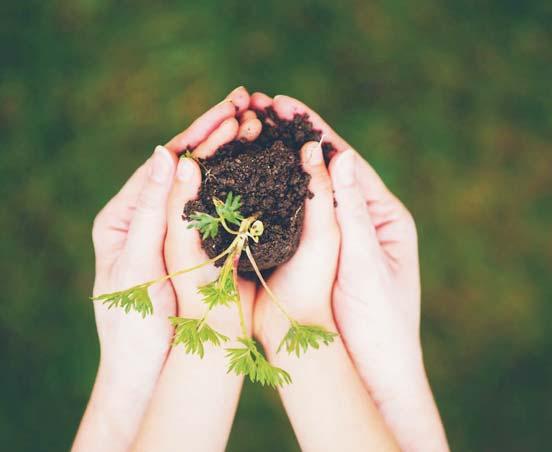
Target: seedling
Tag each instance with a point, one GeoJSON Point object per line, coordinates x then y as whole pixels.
{"type": "Point", "coordinates": [193, 334]}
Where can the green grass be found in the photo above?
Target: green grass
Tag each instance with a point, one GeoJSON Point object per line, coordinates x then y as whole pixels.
{"type": "Point", "coordinates": [449, 100]}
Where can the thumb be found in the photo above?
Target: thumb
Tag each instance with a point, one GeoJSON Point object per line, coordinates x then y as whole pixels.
{"type": "Point", "coordinates": [319, 212]}
{"type": "Point", "coordinates": [185, 245]}
{"type": "Point", "coordinates": [147, 229]}
{"type": "Point", "coordinates": [359, 243]}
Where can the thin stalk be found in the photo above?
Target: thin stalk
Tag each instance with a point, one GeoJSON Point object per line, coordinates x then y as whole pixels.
{"type": "Point", "coordinates": [203, 319]}
{"type": "Point", "coordinates": [196, 267]}
{"type": "Point", "coordinates": [225, 226]}
{"type": "Point", "coordinates": [265, 285]}
{"type": "Point", "coordinates": [235, 261]}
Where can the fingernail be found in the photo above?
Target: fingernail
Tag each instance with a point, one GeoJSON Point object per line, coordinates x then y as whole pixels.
{"type": "Point", "coordinates": [184, 169]}
{"type": "Point", "coordinates": [345, 168]}
{"type": "Point", "coordinates": [314, 154]}
{"type": "Point", "coordinates": [161, 164]}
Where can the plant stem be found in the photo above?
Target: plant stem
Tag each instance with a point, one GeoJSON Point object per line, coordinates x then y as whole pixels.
{"type": "Point", "coordinates": [236, 259]}
{"type": "Point", "coordinates": [196, 267]}
{"type": "Point", "coordinates": [265, 285]}
{"type": "Point", "coordinates": [202, 320]}
{"type": "Point", "coordinates": [225, 226]}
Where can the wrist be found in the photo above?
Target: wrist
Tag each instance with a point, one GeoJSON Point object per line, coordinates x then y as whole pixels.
{"type": "Point", "coordinates": [123, 395]}
{"type": "Point", "coordinates": [114, 412]}
{"type": "Point", "coordinates": [411, 413]}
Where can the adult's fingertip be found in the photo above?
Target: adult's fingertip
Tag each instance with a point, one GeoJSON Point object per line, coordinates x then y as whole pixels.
{"type": "Point", "coordinates": [161, 165]}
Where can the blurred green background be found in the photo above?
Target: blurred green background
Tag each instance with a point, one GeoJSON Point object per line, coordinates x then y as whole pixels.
{"type": "Point", "coordinates": [449, 100]}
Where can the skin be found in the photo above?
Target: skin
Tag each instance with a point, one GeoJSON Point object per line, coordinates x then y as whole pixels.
{"type": "Point", "coordinates": [116, 407]}
{"type": "Point", "coordinates": [324, 422]}
{"type": "Point", "coordinates": [194, 392]}
{"type": "Point", "coordinates": [323, 418]}
{"type": "Point", "coordinates": [128, 236]}
{"type": "Point", "coordinates": [376, 295]}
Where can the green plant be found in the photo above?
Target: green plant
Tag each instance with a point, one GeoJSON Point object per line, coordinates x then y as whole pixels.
{"type": "Point", "coordinates": [193, 334]}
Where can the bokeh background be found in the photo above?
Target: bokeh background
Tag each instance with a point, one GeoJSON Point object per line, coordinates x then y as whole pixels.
{"type": "Point", "coordinates": [449, 100]}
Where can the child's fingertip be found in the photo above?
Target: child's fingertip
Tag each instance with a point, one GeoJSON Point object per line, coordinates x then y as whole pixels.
{"type": "Point", "coordinates": [185, 169]}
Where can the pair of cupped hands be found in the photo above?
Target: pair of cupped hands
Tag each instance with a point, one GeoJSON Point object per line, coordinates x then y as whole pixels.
{"type": "Point", "coordinates": [355, 272]}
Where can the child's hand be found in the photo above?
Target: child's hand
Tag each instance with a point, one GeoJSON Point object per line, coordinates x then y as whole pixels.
{"type": "Point", "coordinates": [304, 283]}
{"type": "Point", "coordinates": [183, 247]}
{"type": "Point", "coordinates": [195, 392]}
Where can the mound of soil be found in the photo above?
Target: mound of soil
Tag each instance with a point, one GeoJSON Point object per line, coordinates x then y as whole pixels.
{"type": "Point", "coordinates": [268, 175]}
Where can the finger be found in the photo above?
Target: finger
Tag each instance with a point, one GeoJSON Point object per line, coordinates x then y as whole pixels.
{"type": "Point", "coordinates": [247, 114]}
{"type": "Point", "coordinates": [250, 129]}
{"type": "Point", "coordinates": [185, 188]}
{"type": "Point", "coordinates": [147, 230]}
{"type": "Point", "coordinates": [183, 245]}
{"type": "Point", "coordinates": [316, 256]}
{"type": "Point", "coordinates": [183, 249]}
{"type": "Point", "coordinates": [200, 129]}
{"type": "Point", "coordinates": [225, 133]}
{"type": "Point", "coordinates": [359, 243]}
{"type": "Point", "coordinates": [260, 101]}
{"type": "Point", "coordinates": [287, 107]}
{"type": "Point", "coordinates": [240, 98]}
{"type": "Point", "coordinates": [319, 210]}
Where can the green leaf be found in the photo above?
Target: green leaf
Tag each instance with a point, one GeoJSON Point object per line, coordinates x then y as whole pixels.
{"type": "Point", "coordinates": [249, 361]}
{"type": "Point", "coordinates": [300, 337]}
{"type": "Point", "coordinates": [136, 298]}
{"type": "Point", "coordinates": [219, 293]}
{"type": "Point", "coordinates": [230, 209]}
{"type": "Point", "coordinates": [206, 224]}
{"type": "Point", "coordinates": [187, 154]}
{"type": "Point", "coordinates": [194, 333]}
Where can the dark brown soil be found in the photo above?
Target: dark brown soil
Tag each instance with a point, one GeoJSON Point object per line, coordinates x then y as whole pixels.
{"type": "Point", "coordinates": [268, 175]}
